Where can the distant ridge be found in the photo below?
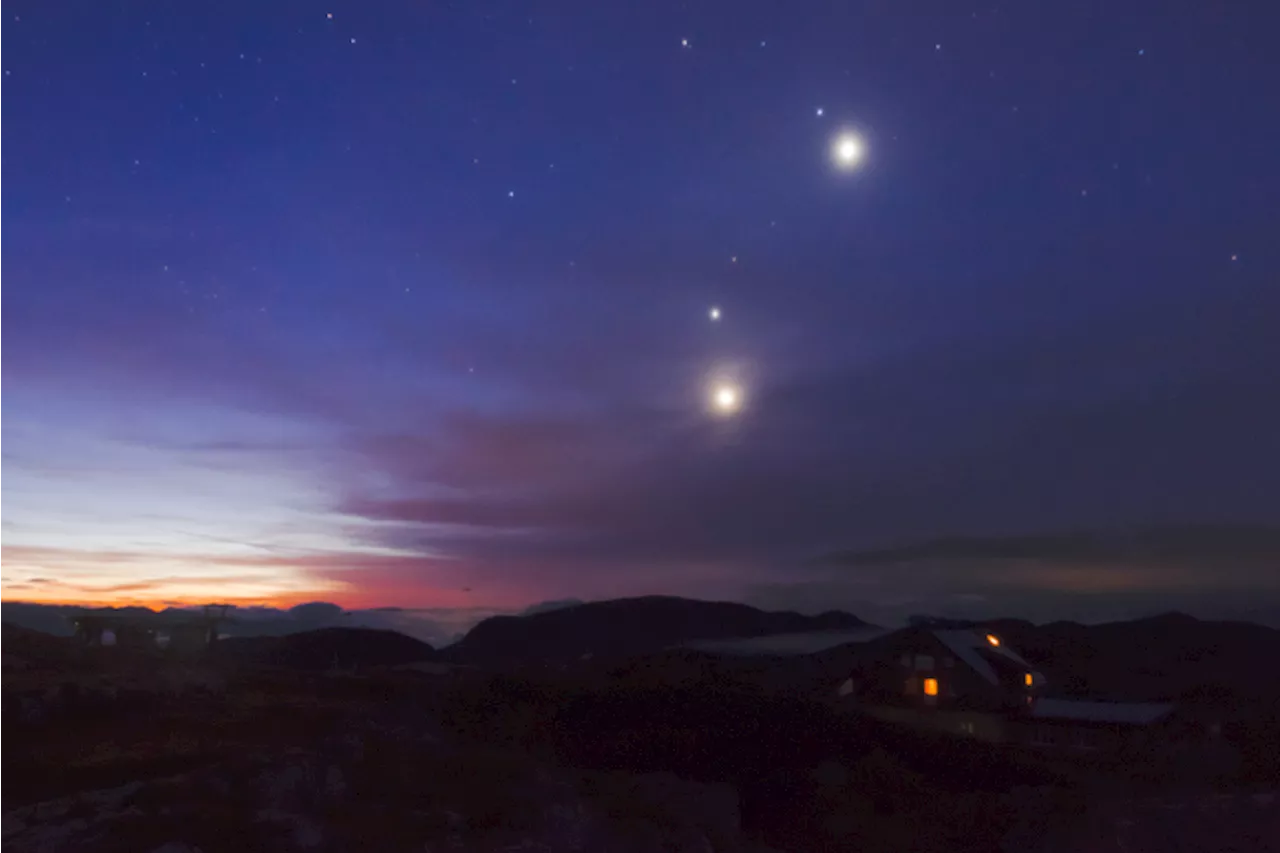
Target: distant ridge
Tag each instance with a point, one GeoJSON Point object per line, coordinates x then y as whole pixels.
{"type": "Point", "coordinates": [627, 626]}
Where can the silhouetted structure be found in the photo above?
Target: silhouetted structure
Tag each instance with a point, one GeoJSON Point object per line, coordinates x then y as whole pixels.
{"type": "Point", "coordinates": [968, 683]}
{"type": "Point", "coordinates": [180, 631]}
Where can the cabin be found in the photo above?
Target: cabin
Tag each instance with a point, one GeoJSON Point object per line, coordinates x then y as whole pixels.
{"type": "Point", "coordinates": [957, 680]}
{"type": "Point", "coordinates": [968, 683]}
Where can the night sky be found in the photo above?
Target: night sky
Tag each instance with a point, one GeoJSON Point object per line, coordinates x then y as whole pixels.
{"type": "Point", "coordinates": [478, 304]}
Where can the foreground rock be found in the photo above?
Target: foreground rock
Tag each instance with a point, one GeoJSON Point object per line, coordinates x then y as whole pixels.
{"type": "Point", "coordinates": [385, 789]}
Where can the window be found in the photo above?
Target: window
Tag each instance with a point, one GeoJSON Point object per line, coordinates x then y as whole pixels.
{"type": "Point", "coordinates": [1027, 679]}
{"type": "Point", "coordinates": [931, 687]}
{"type": "Point", "coordinates": [924, 663]}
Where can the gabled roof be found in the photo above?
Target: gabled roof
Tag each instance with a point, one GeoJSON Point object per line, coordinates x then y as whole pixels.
{"type": "Point", "coordinates": [969, 646]}
{"type": "Point", "coordinates": [1134, 713]}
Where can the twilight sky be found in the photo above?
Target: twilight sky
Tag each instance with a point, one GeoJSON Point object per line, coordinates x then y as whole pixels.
{"type": "Point", "coordinates": [408, 303]}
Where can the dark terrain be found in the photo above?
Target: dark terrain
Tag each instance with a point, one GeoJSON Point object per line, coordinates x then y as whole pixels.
{"type": "Point", "coordinates": [348, 739]}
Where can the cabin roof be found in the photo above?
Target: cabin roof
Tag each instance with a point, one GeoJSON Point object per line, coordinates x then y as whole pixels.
{"type": "Point", "coordinates": [966, 645]}
{"type": "Point", "coordinates": [1133, 713]}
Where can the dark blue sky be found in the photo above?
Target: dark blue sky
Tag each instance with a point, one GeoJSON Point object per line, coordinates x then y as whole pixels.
{"type": "Point", "coordinates": [407, 303]}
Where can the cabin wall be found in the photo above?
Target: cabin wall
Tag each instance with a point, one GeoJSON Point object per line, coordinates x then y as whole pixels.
{"type": "Point", "coordinates": [971, 724]}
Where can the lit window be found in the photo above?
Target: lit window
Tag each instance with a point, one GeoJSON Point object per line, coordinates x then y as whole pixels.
{"type": "Point", "coordinates": [993, 639]}
{"type": "Point", "coordinates": [931, 687]}
{"type": "Point", "coordinates": [1026, 679]}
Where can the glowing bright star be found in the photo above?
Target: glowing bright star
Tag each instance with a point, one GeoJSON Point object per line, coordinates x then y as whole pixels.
{"type": "Point", "coordinates": [329, 16]}
{"type": "Point", "coordinates": [847, 151]}
{"type": "Point", "coordinates": [714, 313]}
{"type": "Point", "coordinates": [684, 42]}
{"type": "Point", "coordinates": [819, 112]}
{"type": "Point", "coordinates": [727, 399]}
{"type": "Point", "coordinates": [511, 193]}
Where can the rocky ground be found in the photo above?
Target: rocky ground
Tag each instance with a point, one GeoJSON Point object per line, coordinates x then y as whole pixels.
{"type": "Point", "coordinates": [147, 754]}
{"type": "Point", "coordinates": [191, 759]}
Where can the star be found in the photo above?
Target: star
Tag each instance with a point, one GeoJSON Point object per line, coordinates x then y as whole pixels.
{"type": "Point", "coordinates": [353, 41]}
{"type": "Point", "coordinates": [733, 260]}
{"type": "Point", "coordinates": [1235, 257]}
{"type": "Point", "coordinates": [847, 151]}
{"type": "Point", "coordinates": [684, 42]}
{"type": "Point", "coordinates": [511, 193]}
{"type": "Point", "coordinates": [329, 16]}
{"type": "Point", "coordinates": [819, 112]}
{"type": "Point", "coordinates": [714, 313]}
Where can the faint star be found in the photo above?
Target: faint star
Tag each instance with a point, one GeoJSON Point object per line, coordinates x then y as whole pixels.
{"type": "Point", "coordinates": [511, 193]}
{"type": "Point", "coordinates": [1235, 257]}
{"type": "Point", "coordinates": [733, 260]}
{"type": "Point", "coordinates": [353, 41]}
{"type": "Point", "coordinates": [684, 42]}
{"type": "Point", "coordinates": [1142, 52]}
{"type": "Point", "coordinates": [762, 42]}
{"type": "Point", "coordinates": [937, 47]}
{"type": "Point", "coordinates": [329, 16]}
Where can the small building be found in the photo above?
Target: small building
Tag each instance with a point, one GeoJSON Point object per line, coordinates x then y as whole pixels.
{"type": "Point", "coordinates": [958, 680]}
{"type": "Point", "coordinates": [969, 683]}
{"type": "Point", "coordinates": [175, 630]}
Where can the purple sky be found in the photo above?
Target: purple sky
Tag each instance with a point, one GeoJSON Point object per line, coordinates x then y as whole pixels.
{"type": "Point", "coordinates": [409, 305]}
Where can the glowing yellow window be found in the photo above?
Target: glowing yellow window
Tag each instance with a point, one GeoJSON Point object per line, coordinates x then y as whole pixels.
{"type": "Point", "coordinates": [993, 639]}
{"type": "Point", "coordinates": [1026, 679]}
{"type": "Point", "coordinates": [931, 687]}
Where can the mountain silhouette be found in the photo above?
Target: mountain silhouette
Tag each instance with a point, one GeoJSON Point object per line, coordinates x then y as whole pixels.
{"type": "Point", "coordinates": [626, 626]}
